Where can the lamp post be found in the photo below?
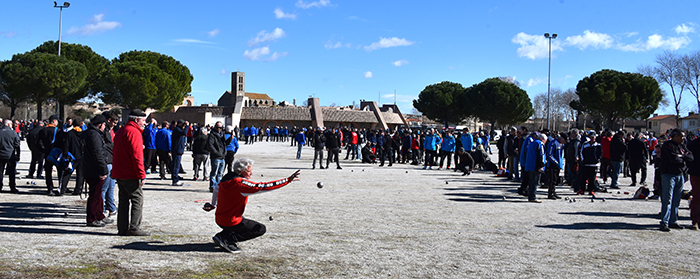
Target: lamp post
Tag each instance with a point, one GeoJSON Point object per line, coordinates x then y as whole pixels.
{"type": "Point", "coordinates": [549, 76]}
{"type": "Point", "coordinates": [60, 22]}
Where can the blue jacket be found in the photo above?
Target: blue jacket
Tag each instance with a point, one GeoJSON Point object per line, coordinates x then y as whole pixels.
{"type": "Point", "coordinates": [149, 136]}
{"type": "Point", "coordinates": [523, 150]}
{"type": "Point", "coordinates": [179, 139]}
{"type": "Point", "coordinates": [253, 131]}
{"type": "Point", "coordinates": [163, 139]}
{"type": "Point", "coordinates": [448, 144]}
{"type": "Point", "coordinates": [555, 155]}
{"type": "Point", "coordinates": [430, 142]}
{"type": "Point", "coordinates": [380, 141]}
{"type": "Point", "coordinates": [535, 156]}
{"type": "Point", "coordinates": [300, 138]}
{"type": "Point", "coordinates": [467, 141]}
{"type": "Point", "coordinates": [233, 146]}
{"type": "Point", "coordinates": [246, 131]}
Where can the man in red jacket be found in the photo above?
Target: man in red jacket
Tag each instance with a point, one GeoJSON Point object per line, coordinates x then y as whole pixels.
{"type": "Point", "coordinates": [129, 172]}
{"type": "Point", "coordinates": [232, 196]}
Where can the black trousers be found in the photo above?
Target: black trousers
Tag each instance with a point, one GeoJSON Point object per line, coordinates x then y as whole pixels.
{"type": "Point", "coordinates": [37, 158]}
{"type": "Point", "coordinates": [634, 168]}
{"type": "Point", "coordinates": [318, 154]}
{"type": "Point", "coordinates": [444, 154]}
{"type": "Point", "coordinates": [164, 158]}
{"type": "Point", "coordinates": [333, 156]}
{"type": "Point", "coordinates": [48, 166]}
{"type": "Point", "coordinates": [387, 154]}
{"type": "Point", "coordinates": [245, 230]}
{"type": "Point", "coordinates": [149, 159]}
{"type": "Point", "coordinates": [230, 156]}
{"type": "Point", "coordinates": [587, 173]}
{"type": "Point", "coordinates": [65, 176]}
{"type": "Point", "coordinates": [9, 165]}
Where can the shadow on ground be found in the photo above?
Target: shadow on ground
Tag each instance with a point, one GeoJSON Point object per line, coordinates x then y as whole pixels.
{"type": "Point", "coordinates": [601, 226]}
{"type": "Point", "coordinates": [160, 246]}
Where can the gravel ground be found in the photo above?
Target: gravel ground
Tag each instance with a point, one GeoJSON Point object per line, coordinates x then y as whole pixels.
{"type": "Point", "coordinates": [367, 221]}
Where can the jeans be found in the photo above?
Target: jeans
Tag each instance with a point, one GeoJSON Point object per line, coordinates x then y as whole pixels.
{"type": "Point", "coordinates": [358, 151]}
{"type": "Point", "coordinates": [108, 191]}
{"type": "Point", "coordinates": [616, 167]}
{"type": "Point", "coordinates": [177, 158]}
{"type": "Point", "coordinates": [217, 170]}
{"type": "Point", "coordinates": [199, 160]}
{"type": "Point", "coordinates": [516, 165]}
{"type": "Point", "coordinates": [671, 191]}
{"type": "Point", "coordinates": [299, 151]}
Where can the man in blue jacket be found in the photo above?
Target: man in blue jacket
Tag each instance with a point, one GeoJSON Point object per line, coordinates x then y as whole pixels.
{"type": "Point", "coordinates": [467, 140]}
{"type": "Point", "coordinates": [525, 179]}
{"type": "Point", "coordinates": [231, 148]}
{"type": "Point", "coordinates": [149, 146]}
{"type": "Point", "coordinates": [430, 145]}
{"type": "Point", "coordinates": [555, 163]}
{"type": "Point", "coordinates": [447, 149]}
{"type": "Point", "coordinates": [163, 143]}
{"type": "Point", "coordinates": [301, 140]}
{"type": "Point", "coordinates": [178, 148]}
{"type": "Point", "coordinates": [535, 163]}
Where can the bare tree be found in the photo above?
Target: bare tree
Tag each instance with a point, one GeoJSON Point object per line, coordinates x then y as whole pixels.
{"type": "Point", "coordinates": [690, 74]}
{"type": "Point", "coordinates": [563, 100]}
{"type": "Point", "coordinates": [668, 71]}
{"type": "Point", "coordinates": [539, 104]}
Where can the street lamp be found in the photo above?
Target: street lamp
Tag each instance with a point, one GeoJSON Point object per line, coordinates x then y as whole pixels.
{"type": "Point", "coordinates": [549, 75]}
{"type": "Point", "coordinates": [60, 22]}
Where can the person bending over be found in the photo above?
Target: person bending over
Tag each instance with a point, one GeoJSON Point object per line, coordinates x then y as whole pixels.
{"type": "Point", "coordinates": [231, 196]}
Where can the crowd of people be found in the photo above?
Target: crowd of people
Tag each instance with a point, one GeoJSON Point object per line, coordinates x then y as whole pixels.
{"type": "Point", "coordinates": [104, 153]}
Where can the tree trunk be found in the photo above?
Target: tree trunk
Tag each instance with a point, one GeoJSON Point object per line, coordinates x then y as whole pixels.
{"type": "Point", "coordinates": [13, 107]}
{"type": "Point", "coordinates": [38, 110]}
{"type": "Point", "coordinates": [61, 110]}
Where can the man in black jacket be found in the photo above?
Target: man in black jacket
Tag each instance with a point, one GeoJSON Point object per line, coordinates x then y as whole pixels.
{"type": "Point", "coordinates": [638, 157]}
{"type": "Point", "coordinates": [571, 156]}
{"type": "Point", "coordinates": [674, 156]}
{"type": "Point", "coordinates": [590, 155]}
{"type": "Point", "coordinates": [200, 154]}
{"type": "Point", "coordinates": [9, 153]}
{"type": "Point", "coordinates": [73, 148]}
{"type": "Point", "coordinates": [217, 152]}
{"type": "Point", "coordinates": [333, 147]}
{"type": "Point", "coordinates": [95, 168]}
{"type": "Point", "coordinates": [617, 156]}
{"type": "Point", "coordinates": [319, 142]}
{"type": "Point", "coordinates": [49, 137]}
{"type": "Point", "coordinates": [37, 156]}
{"type": "Point", "coordinates": [111, 119]}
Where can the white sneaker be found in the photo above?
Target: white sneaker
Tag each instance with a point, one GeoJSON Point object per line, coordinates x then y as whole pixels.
{"type": "Point", "coordinates": [179, 183]}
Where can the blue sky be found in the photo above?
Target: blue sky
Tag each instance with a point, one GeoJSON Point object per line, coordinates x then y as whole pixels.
{"type": "Point", "coordinates": [344, 51]}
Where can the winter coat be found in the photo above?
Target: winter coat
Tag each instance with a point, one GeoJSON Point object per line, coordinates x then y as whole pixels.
{"type": "Point", "coordinates": [128, 153]}
{"type": "Point", "coordinates": [535, 158]}
{"type": "Point", "coordinates": [94, 155]}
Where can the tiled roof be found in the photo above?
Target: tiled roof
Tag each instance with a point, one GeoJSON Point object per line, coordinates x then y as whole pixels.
{"type": "Point", "coordinates": [391, 118]}
{"type": "Point", "coordinates": [276, 113]}
{"type": "Point", "coordinates": [692, 116]}
{"type": "Point", "coordinates": [357, 116]}
{"type": "Point", "coordinates": [215, 110]}
{"type": "Point", "coordinates": [257, 96]}
{"type": "Point", "coordinates": [662, 117]}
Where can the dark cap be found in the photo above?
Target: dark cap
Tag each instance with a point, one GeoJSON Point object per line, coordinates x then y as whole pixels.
{"type": "Point", "coordinates": [53, 117]}
{"type": "Point", "coordinates": [137, 112]}
{"type": "Point", "coordinates": [180, 121]}
{"type": "Point", "coordinates": [98, 119]}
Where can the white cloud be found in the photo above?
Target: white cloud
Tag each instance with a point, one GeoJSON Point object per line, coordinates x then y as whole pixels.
{"type": "Point", "coordinates": [95, 26]}
{"type": "Point", "coordinates": [368, 74]}
{"type": "Point", "coordinates": [10, 34]}
{"type": "Point", "coordinates": [280, 14]}
{"type": "Point", "coordinates": [534, 46]}
{"type": "Point", "coordinates": [388, 42]}
{"type": "Point", "coordinates": [630, 34]}
{"type": "Point", "coordinates": [213, 33]}
{"type": "Point", "coordinates": [656, 41]}
{"type": "Point", "coordinates": [317, 4]}
{"type": "Point", "coordinates": [192, 41]}
{"type": "Point", "coordinates": [259, 53]}
{"type": "Point", "coordinates": [685, 29]}
{"type": "Point", "coordinates": [331, 45]}
{"type": "Point", "coordinates": [223, 71]}
{"type": "Point", "coordinates": [534, 81]}
{"type": "Point", "coordinates": [263, 36]}
{"type": "Point", "coordinates": [400, 63]}
{"type": "Point", "coordinates": [590, 39]}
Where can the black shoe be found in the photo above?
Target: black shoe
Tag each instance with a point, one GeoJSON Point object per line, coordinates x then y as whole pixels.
{"type": "Point", "coordinates": [97, 224]}
{"type": "Point", "coordinates": [676, 226]}
{"type": "Point", "coordinates": [553, 197]}
{"type": "Point", "coordinates": [14, 191]}
{"type": "Point", "coordinates": [614, 187]}
{"type": "Point", "coordinates": [29, 176]}
{"type": "Point", "coordinates": [76, 193]}
{"type": "Point", "coordinates": [68, 191]}
{"type": "Point", "coordinates": [339, 168]}
{"type": "Point", "coordinates": [52, 193]}
{"type": "Point", "coordinates": [40, 177]}
{"type": "Point", "coordinates": [664, 228]}
{"type": "Point", "coordinates": [321, 167]}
